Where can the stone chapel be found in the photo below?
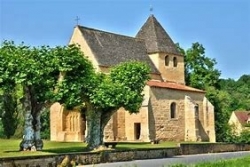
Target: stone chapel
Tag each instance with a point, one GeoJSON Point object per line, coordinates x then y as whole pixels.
{"type": "Point", "coordinates": [171, 111]}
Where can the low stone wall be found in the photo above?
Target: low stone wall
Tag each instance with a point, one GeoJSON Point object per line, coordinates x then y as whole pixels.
{"type": "Point", "coordinates": [118, 155]}
{"type": "Point", "coordinates": [187, 148]}
{"type": "Point", "coordinates": [88, 157]}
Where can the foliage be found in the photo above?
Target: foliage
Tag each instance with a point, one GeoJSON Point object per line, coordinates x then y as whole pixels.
{"type": "Point", "coordinates": [64, 75]}
{"type": "Point", "coordinates": [2, 135]}
{"type": "Point", "coordinates": [77, 76]}
{"type": "Point", "coordinates": [220, 100]}
{"type": "Point", "coordinates": [243, 138]}
{"type": "Point", "coordinates": [9, 119]}
{"type": "Point", "coordinates": [101, 94]}
{"type": "Point", "coordinates": [200, 71]}
{"type": "Point", "coordinates": [119, 89]}
{"type": "Point", "coordinates": [37, 70]}
{"type": "Point", "coordinates": [239, 92]}
{"type": "Point", "coordinates": [45, 124]}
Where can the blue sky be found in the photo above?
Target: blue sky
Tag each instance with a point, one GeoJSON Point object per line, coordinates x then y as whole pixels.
{"type": "Point", "coordinates": [222, 26]}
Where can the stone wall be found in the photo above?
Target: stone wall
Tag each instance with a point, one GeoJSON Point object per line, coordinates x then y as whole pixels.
{"type": "Point", "coordinates": [187, 148]}
{"type": "Point", "coordinates": [66, 125]}
{"type": "Point", "coordinates": [124, 126]}
{"type": "Point", "coordinates": [119, 155]}
{"type": "Point", "coordinates": [184, 127]}
{"type": "Point", "coordinates": [169, 72]}
{"type": "Point", "coordinates": [88, 158]}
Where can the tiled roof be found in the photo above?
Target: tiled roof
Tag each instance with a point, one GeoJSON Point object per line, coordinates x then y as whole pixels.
{"type": "Point", "coordinates": [156, 38]}
{"type": "Point", "coordinates": [111, 49]}
{"type": "Point", "coordinates": [172, 85]}
{"type": "Point", "coordinates": [242, 116]}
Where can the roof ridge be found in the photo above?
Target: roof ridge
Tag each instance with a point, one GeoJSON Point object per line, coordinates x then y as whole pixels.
{"type": "Point", "coordinates": [153, 19]}
{"type": "Point", "coordinates": [108, 32]}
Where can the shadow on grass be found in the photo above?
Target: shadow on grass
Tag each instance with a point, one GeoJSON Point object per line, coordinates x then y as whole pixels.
{"type": "Point", "coordinates": [66, 150]}
{"type": "Point", "coordinates": [55, 150]}
{"type": "Point", "coordinates": [12, 151]}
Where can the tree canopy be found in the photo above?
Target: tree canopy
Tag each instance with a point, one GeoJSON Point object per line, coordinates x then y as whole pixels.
{"type": "Point", "coordinates": [65, 75]}
{"type": "Point", "coordinates": [200, 71]}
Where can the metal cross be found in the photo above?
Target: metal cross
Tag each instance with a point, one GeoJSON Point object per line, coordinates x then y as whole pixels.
{"type": "Point", "coordinates": [151, 9]}
{"type": "Point", "coordinates": [77, 20]}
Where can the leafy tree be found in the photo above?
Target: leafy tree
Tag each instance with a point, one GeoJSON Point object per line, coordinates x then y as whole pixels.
{"type": "Point", "coordinates": [200, 71]}
{"type": "Point", "coordinates": [63, 74]}
{"type": "Point", "coordinates": [239, 92]}
{"type": "Point", "coordinates": [34, 70]}
{"type": "Point", "coordinates": [104, 94]}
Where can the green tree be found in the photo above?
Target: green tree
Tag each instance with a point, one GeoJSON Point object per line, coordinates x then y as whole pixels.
{"type": "Point", "coordinates": [200, 71]}
{"type": "Point", "coordinates": [34, 70]}
{"type": "Point", "coordinates": [239, 92]}
{"type": "Point", "coordinates": [104, 94]}
{"type": "Point", "coordinates": [63, 74]}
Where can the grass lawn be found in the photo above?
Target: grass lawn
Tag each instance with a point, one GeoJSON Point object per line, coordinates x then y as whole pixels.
{"type": "Point", "coordinates": [237, 162]}
{"type": "Point", "coordinates": [10, 147]}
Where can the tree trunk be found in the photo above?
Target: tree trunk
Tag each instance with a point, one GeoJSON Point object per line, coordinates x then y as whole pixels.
{"type": "Point", "coordinates": [94, 136]}
{"type": "Point", "coordinates": [36, 109]}
{"type": "Point", "coordinates": [37, 129]}
{"type": "Point", "coordinates": [96, 122]}
{"type": "Point", "coordinates": [28, 137]}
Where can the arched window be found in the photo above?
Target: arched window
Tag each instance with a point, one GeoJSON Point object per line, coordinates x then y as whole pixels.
{"type": "Point", "coordinates": [175, 61]}
{"type": "Point", "coordinates": [166, 60]}
{"type": "Point", "coordinates": [173, 110]}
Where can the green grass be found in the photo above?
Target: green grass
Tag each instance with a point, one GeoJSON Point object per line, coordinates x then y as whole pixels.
{"type": "Point", "coordinates": [237, 162]}
{"type": "Point", "coordinates": [10, 147]}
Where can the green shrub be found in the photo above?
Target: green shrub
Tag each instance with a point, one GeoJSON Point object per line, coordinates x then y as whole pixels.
{"type": "Point", "coordinates": [1, 129]}
{"type": "Point", "coordinates": [45, 124]}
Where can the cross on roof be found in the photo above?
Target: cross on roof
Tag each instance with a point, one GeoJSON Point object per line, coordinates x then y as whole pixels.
{"type": "Point", "coordinates": [77, 20]}
{"type": "Point", "coordinates": [151, 9]}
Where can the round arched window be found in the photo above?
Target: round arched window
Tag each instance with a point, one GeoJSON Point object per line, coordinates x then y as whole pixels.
{"type": "Point", "coordinates": [166, 60]}
{"type": "Point", "coordinates": [175, 61]}
{"type": "Point", "coordinates": [173, 110]}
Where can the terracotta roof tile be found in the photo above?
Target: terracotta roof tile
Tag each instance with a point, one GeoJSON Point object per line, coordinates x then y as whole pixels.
{"type": "Point", "coordinates": [242, 116]}
{"type": "Point", "coordinates": [172, 85]}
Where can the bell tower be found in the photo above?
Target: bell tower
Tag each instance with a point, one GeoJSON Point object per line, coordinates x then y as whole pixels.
{"type": "Point", "coordinates": [162, 51]}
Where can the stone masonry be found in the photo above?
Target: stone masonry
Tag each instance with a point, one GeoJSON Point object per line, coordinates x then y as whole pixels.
{"type": "Point", "coordinates": [170, 111]}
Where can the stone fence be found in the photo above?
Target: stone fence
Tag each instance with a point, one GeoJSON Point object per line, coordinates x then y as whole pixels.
{"type": "Point", "coordinates": [83, 158]}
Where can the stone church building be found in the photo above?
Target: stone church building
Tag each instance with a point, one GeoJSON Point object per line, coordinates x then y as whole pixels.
{"type": "Point", "coordinates": [171, 111]}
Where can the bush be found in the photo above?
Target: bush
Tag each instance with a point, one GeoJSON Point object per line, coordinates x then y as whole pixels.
{"type": "Point", "coordinates": [1, 129]}
{"type": "Point", "coordinates": [45, 124]}
{"type": "Point", "coordinates": [244, 137]}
